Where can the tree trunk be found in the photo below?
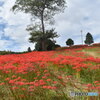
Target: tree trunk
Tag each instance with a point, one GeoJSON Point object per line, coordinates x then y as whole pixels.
{"type": "Point", "coordinates": [42, 23]}
{"type": "Point", "coordinates": [44, 48]}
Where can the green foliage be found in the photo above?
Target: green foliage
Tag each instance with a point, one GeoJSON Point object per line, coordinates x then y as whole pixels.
{"type": "Point", "coordinates": [39, 38]}
{"type": "Point", "coordinates": [10, 52]}
{"type": "Point", "coordinates": [5, 52]}
{"type": "Point", "coordinates": [29, 49]}
{"type": "Point", "coordinates": [38, 46]}
{"type": "Point", "coordinates": [44, 10]}
{"type": "Point", "coordinates": [38, 8]}
{"type": "Point", "coordinates": [89, 39]}
{"type": "Point", "coordinates": [50, 45]}
{"type": "Point", "coordinates": [56, 46]}
{"type": "Point", "coordinates": [70, 42]}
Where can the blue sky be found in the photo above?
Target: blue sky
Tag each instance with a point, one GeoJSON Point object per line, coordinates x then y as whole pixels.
{"type": "Point", "coordinates": [79, 15]}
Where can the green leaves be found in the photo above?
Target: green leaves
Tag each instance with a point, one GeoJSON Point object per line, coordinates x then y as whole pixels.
{"type": "Point", "coordinates": [37, 7]}
{"type": "Point", "coordinates": [89, 39]}
{"type": "Point", "coordinates": [38, 35]}
{"type": "Point", "coordinates": [70, 42]}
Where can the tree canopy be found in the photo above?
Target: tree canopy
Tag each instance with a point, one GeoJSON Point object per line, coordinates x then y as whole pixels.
{"type": "Point", "coordinates": [44, 10]}
{"type": "Point", "coordinates": [89, 39]}
{"type": "Point", "coordinates": [70, 42]}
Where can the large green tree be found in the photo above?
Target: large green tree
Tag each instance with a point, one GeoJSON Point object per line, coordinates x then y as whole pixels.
{"type": "Point", "coordinates": [89, 39]}
{"type": "Point", "coordinates": [44, 10]}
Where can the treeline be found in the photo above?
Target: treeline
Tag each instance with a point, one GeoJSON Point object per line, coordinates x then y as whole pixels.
{"type": "Point", "coordinates": [58, 48]}
{"type": "Point", "coordinates": [11, 52]}
{"type": "Point", "coordinates": [89, 40]}
{"type": "Point", "coordinates": [50, 45]}
{"type": "Point", "coordinates": [79, 46]}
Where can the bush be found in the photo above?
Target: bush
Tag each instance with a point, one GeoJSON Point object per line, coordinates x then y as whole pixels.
{"type": "Point", "coordinates": [70, 42]}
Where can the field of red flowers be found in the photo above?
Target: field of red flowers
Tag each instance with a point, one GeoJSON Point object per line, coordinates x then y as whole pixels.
{"type": "Point", "coordinates": [50, 75]}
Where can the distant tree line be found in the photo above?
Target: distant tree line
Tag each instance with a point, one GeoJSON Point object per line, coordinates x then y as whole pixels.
{"type": "Point", "coordinates": [89, 40]}
{"type": "Point", "coordinates": [52, 46]}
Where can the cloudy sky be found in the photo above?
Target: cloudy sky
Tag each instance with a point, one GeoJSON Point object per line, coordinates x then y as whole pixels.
{"type": "Point", "coordinates": [79, 15]}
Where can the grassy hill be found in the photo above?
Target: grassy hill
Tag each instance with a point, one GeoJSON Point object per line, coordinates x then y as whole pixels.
{"type": "Point", "coordinates": [51, 75]}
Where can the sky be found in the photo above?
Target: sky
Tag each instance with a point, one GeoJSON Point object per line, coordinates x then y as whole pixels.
{"type": "Point", "coordinates": [79, 15]}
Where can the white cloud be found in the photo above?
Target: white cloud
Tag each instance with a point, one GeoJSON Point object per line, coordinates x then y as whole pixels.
{"type": "Point", "coordinates": [16, 27]}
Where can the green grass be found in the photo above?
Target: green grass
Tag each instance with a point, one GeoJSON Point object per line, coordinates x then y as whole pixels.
{"type": "Point", "coordinates": [92, 51]}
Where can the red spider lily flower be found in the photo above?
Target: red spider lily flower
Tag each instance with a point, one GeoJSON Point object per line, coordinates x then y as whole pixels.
{"type": "Point", "coordinates": [44, 77]}
{"type": "Point", "coordinates": [88, 85]}
{"type": "Point", "coordinates": [14, 76]}
{"type": "Point", "coordinates": [31, 88]}
{"type": "Point", "coordinates": [19, 83]}
{"type": "Point", "coordinates": [96, 82]}
{"type": "Point", "coordinates": [41, 82]}
{"type": "Point", "coordinates": [23, 89]}
{"type": "Point", "coordinates": [45, 70]}
{"type": "Point", "coordinates": [2, 83]}
{"type": "Point", "coordinates": [55, 82]}
{"type": "Point", "coordinates": [53, 87]}
{"type": "Point", "coordinates": [59, 77]}
{"type": "Point", "coordinates": [36, 84]}
{"type": "Point", "coordinates": [47, 74]}
{"type": "Point", "coordinates": [35, 78]}
{"type": "Point", "coordinates": [15, 88]}
{"type": "Point", "coordinates": [11, 81]}
{"type": "Point", "coordinates": [45, 87]}
{"type": "Point", "coordinates": [7, 79]}
{"type": "Point", "coordinates": [48, 80]}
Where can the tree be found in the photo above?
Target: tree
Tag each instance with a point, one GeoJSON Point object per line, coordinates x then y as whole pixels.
{"type": "Point", "coordinates": [37, 37]}
{"type": "Point", "coordinates": [29, 49]}
{"type": "Point", "coordinates": [44, 10]}
{"type": "Point", "coordinates": [89, 39]}
{"type": "Point", "coordinates": [70, 42]}
{"type": "Point", "coordinates": [56, 46]}
{"type": "Point", "coordinates": [50, 45]}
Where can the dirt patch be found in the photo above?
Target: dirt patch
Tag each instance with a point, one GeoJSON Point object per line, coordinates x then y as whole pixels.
{"type": "Point", "coordinates": [92, 54]}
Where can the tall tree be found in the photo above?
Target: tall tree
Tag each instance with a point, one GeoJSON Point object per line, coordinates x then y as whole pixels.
{"type": "Point", "coordinates": [70, 42]}
{"type": "Point", "coordinates": [89, 39]}
{"type": "Point", "coordinates": [44, 10]}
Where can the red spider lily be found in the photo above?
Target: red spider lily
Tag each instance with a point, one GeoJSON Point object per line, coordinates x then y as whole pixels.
{"type": "Point", "coordinates": [2, 83]}
{"type": "Point", "coordinates": [48, 80]}
{"type": "Point", "coordinates": [15, 88]}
